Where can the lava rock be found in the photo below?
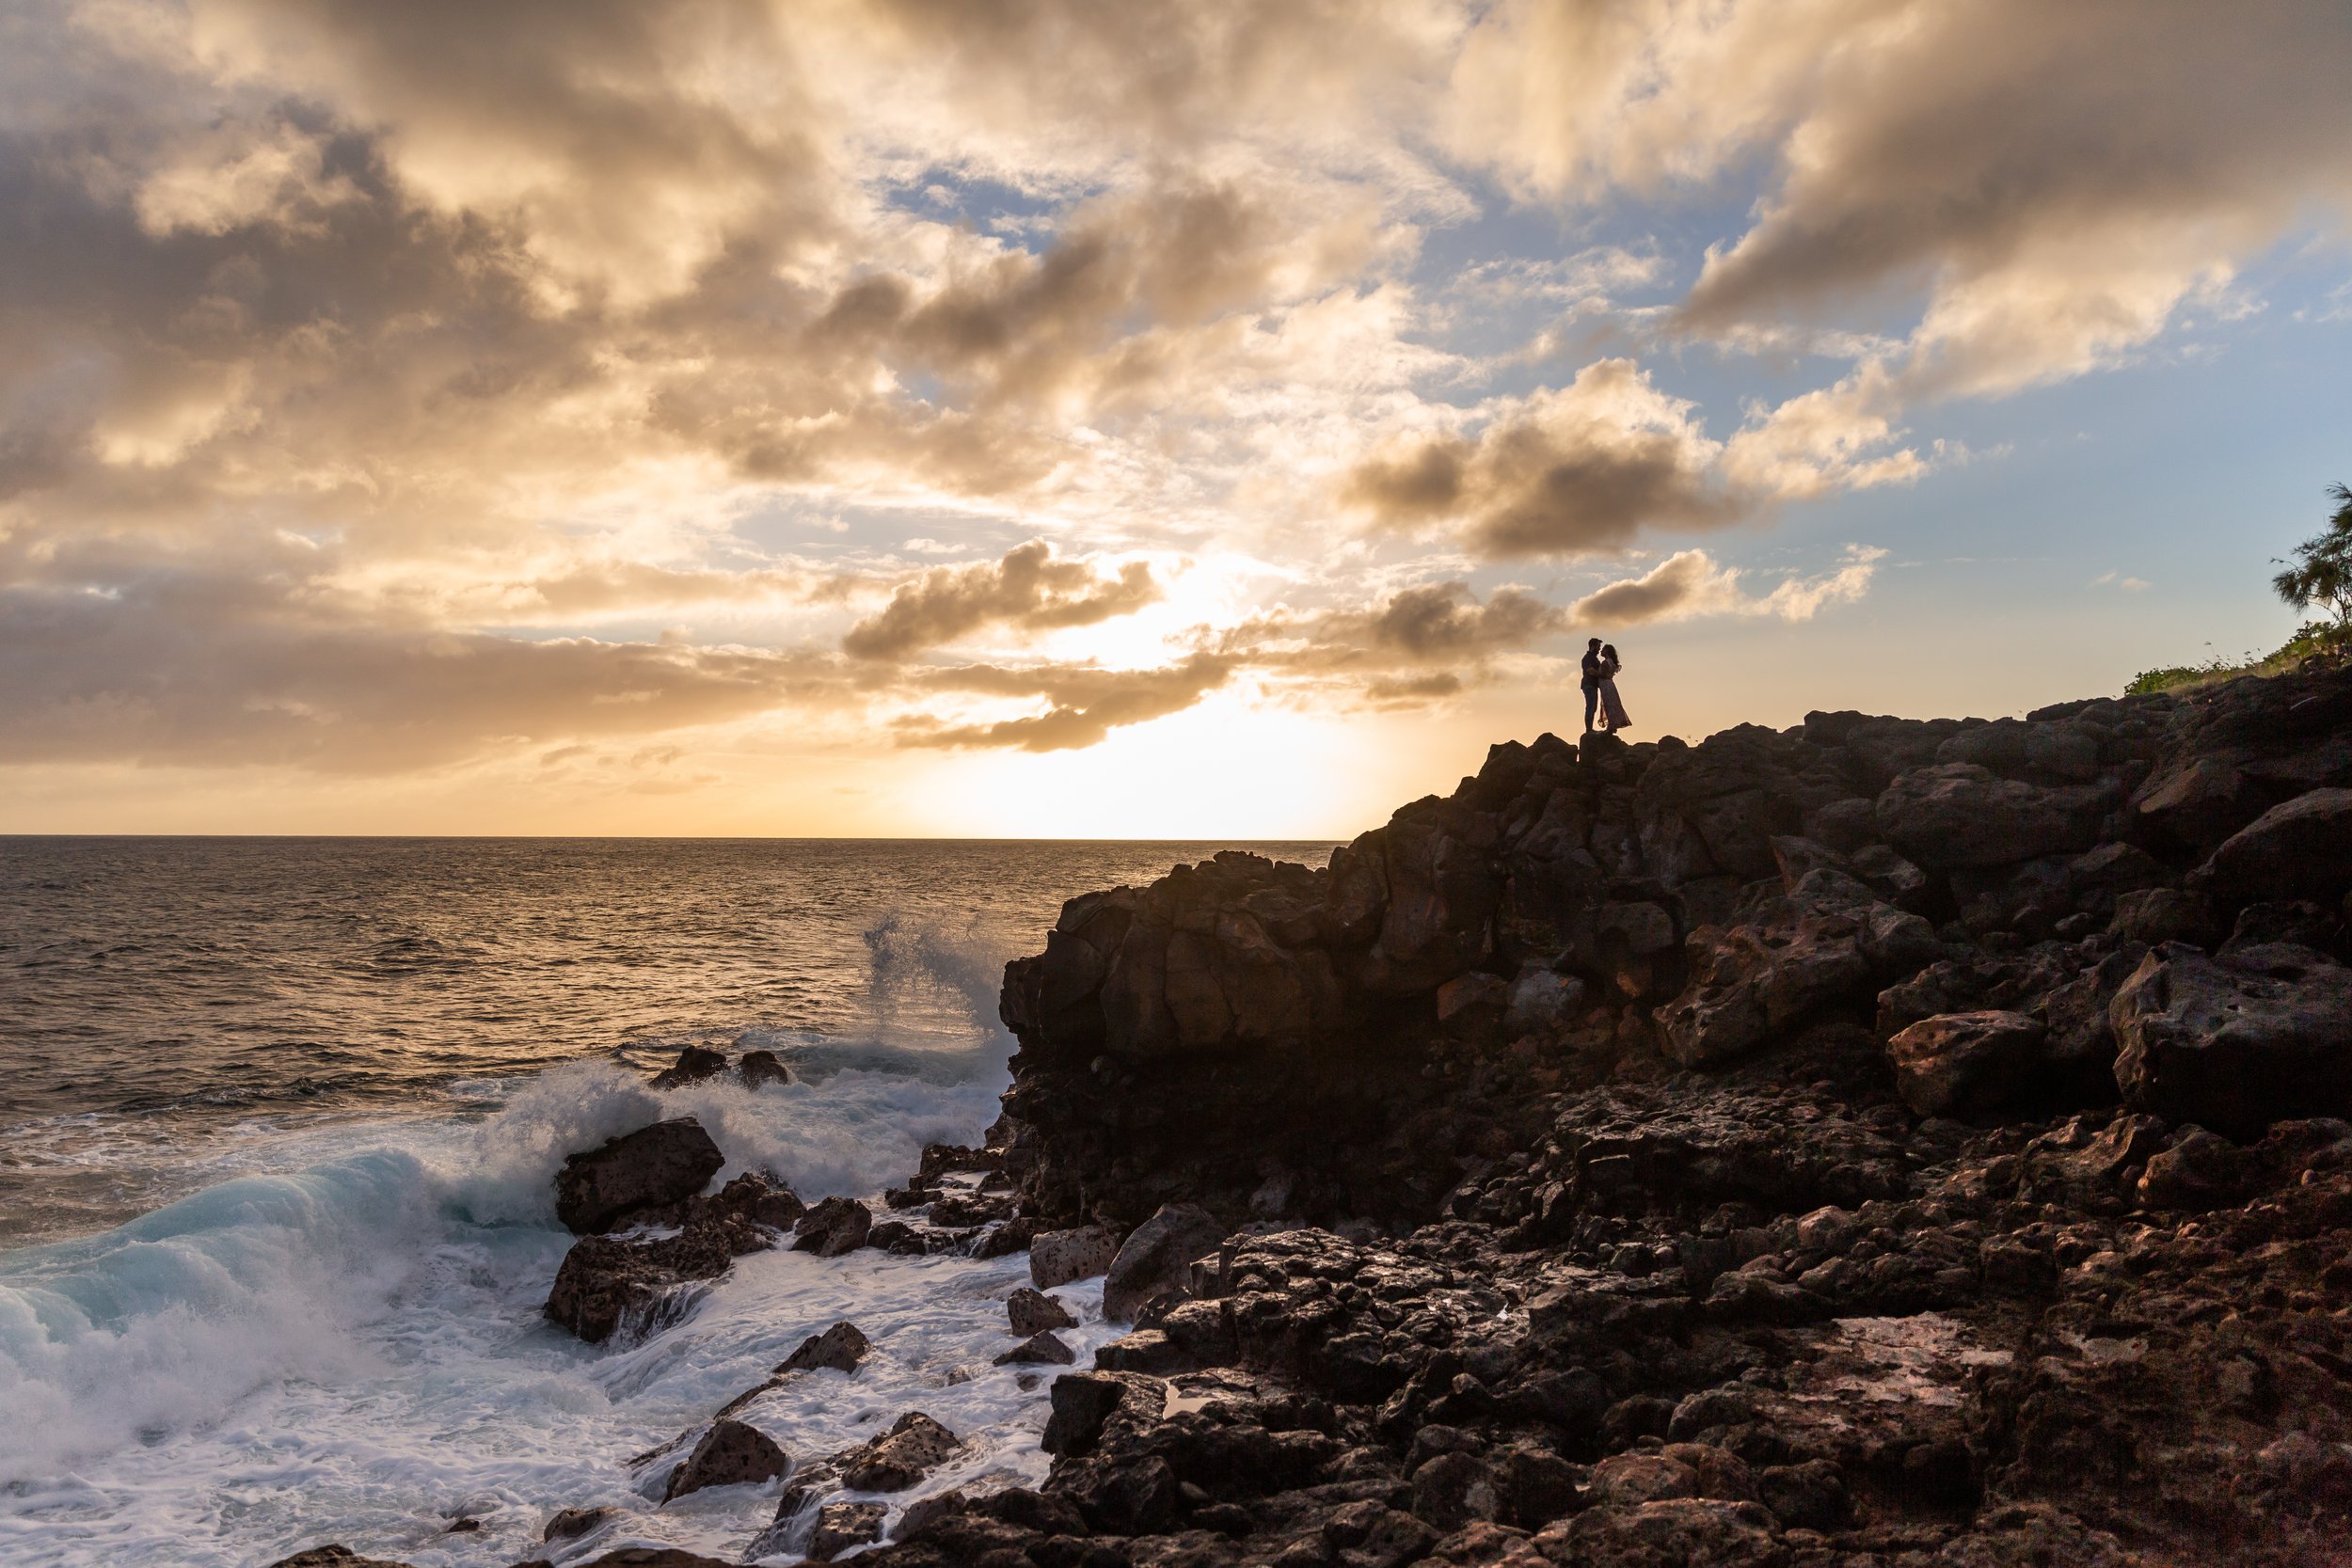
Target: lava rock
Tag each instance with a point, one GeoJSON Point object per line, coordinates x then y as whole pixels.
{"type": "Point", "coordinates": [2300, 849]}
{"type": "Point", "coordinates": [2232, 1050]}
{"type": "Point", "coordinates": [1155, 1257]}
{"type": "Point", "coordinates": [1041, 1349]}
{"type": "Point", "coordinates": [1964, 1063]}
{"type": "Point", "coordinates": [570, 1524]}
{"type": "Point", "coordinates": [759, 1069]}
{"type": "Point", "coordinates": [662, 1164]}
{"type": "Point", "coordinates": [608, 1284]}
{"type": "Point", "coordinates": [915, 1446]}
{"type": "Point", "coordinates": [834, 1227]}
{"type": "Point", "coordinates": [1960, 814]}
{"type": "Point", "coordinates": [842, 1526]}
{"type": "Point", "coordinates": [842, 1347]}
{"type": "Point", "coordinates": [1034, 1312]}
{"type": "Point", "coordinates": [1059, 1257]}
{"type": "Point", "coordinates": [694, 1064]}
{"type": "Point", "coordinates": [729, 1454]}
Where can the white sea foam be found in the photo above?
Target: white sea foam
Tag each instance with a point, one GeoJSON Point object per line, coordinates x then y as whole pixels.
{"type": "Point", "coordinates": [349, 1347]}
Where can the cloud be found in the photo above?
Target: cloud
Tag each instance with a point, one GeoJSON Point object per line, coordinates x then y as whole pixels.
{"type": "Point", "coordinates": [1567, 472]}
{"type": "Point", "coordinates": [1084, 704]}
{"type": "Point", "coordinates": [1029, 590]}
{"type": "Point", "coordinates": [1689, 583]}
{"type": "Point", "coordinates": [2052, 184]}
{"type": "Point", "coordinates": [2117, 579]}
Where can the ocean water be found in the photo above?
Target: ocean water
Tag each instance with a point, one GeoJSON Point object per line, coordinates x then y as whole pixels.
{"type": "Point", "coordinates": [279, 1122]}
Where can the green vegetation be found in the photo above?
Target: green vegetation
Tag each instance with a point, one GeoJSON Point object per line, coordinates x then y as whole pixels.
{"type": "Point", "coordinates": [2320, 575]}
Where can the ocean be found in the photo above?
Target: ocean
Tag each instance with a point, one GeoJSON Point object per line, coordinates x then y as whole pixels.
{"type": "Point", "coordinates": [278, 1122]}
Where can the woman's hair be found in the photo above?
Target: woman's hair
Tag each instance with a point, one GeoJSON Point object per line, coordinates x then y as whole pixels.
{"type": "Point", "coordinates": [1609, 650]}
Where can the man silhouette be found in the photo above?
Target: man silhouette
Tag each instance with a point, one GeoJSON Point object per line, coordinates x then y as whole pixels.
{"type": "Point", "coordinates": [1592, 681]}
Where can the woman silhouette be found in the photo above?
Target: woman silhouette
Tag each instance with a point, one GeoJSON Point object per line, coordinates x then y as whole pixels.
{"type": "Point", "coordinates": [1613, 709]}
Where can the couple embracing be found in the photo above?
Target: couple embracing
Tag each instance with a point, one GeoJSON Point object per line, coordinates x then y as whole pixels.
{"type": "Point", "coordinates": [1600, 686]}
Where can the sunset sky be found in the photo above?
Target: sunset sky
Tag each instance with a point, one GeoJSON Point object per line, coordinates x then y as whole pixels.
{"type": "Point", "coordinates": [1044, 418]}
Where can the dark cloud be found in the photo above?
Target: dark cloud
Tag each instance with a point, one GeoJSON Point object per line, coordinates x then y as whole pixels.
{"type": "Point", "coordinates": [1084, 704]}
{"type": "Point", "coordinates": [1584, 469]}
{"type": "Point", "coordinates": [1029, 590]}
{"type": "Point", "coordinates": [1689, 583]}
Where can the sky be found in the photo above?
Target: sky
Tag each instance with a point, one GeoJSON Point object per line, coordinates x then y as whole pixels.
{"type": "Point", "coordinates": [1175, 419]}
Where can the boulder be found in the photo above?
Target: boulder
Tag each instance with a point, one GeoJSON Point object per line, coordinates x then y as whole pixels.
{"type": "Point", "coordinates": [1541, 1002]}
{"type": "Point", "coordinates": [653, 1556]}
{"type": "Point", "coordinates": [840, 1348]}
{"type": "Point", "coordinates": [1470, 1006]}
{"type": "Point", "coordinates": [758, 1198]}
{"type": "Point", "coordinates": [1960, 815]}
{"type": "Point", "coordinates": [761, 1068]}
{"type": "Point", "coordinates": [2198, 802]}
{"type": "Point", "coordinates": [662, 1164]}
{"type": "Point", "coordinates": [913, 1446]}
{"type": "Point", "coordinates": [607, 1284]}
{"type": "Point", "coordinates": [842, 1526]}
{"type": "Point", "coordinates": [1041, 1349]}
{"type": "Point", "coordinates": [2164, 915]}
{"type": "Point", "coordinates": [1155, 1257]}
{"type": "Point", "coordinates": [834, 1227]}
{"type": "Point", "coordinates": [570, 1524]}
{"type": "Point", "coordinates": [1958, 1063]}
{"type": "Point", "coordinates": [1750, 980]}
{"type": "Point", "coordinates": [694, 1064]}
{"type": "Point", "coordinates": [334, 1557]}
{"type": "Point", "coordinates": [1059, 1257]}
{"type": "Point", "coordinates": [2301, 850]}
{"type": "Point", "coordinates": [2204, 1041]}
{"type": "Point", "coordinates": [729, 1454]}
{"type": "Point", "coordinates": [1034, 1312]}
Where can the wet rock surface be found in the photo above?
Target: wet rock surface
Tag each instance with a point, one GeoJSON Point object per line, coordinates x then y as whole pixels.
{"type": "Point", "coordinates": [1816, 1148]}
{"type": "Point", "coordinates": [662, 1164]}
{"type": "Point", "coordinates": [632, 1284]}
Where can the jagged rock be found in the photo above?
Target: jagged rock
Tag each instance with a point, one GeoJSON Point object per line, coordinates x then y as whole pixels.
{"type": "Point", "coordinates": [2300, 849]}
{"type": "Point", "coordinates": [840, 1348]}
{"type": "Point", "coordinates": [915, 1446]}
{"type": "Point", "coordinates": [608, 1284]}
{"type": "Point", "coordinates": [2164, 915]}
{"type": "Point", "coordinates": [1155, 1255]}
{"type": "Point", "coordinates": [842, 1526]}
{"type": "Point", "coordinates": [662, 1164]}
{"type": "Point", "coordinates": [1470, 1006]}
{"type": "Point", "coordinates": [570, 1524]}
{"type": "Point", "coordinates": [1962, 1063]}
{"type": "Point", "coordinates": [1687, 1533]}
{"type": "Point", "coordinates": [1059, 1257]}
{"type": "Point", "coordinates": [1034, 1312]}
{"type": "Point", "coordinates": [654, 1557]}
{"type": "Point", "coordinates": [2234, 1050]}
{"type": "Point", "coordinates": [694, 1064]}
{"type": "Point", "coordinates": [834, 1227]}
{"type": "Point", "coordinates": [1960, 814]}
{"type": "Point", "coordinates": [334, 1557]}
{"type": "Point", "coordinates": [761, 1068]}
{"type": "Point", "coordinates": [2199, 801]}
{"type": "Point", "coordinates": [729, 1454]}
{"type": "Point", "coordinates": [758, 1198]}
{"type": "Point", "coordinates": [1041, 1349]}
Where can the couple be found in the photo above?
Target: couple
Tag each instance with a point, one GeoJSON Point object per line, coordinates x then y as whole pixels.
{"type": "Point", "coordinates": [1600, 686]}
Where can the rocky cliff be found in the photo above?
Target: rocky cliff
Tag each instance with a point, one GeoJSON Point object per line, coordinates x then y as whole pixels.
{"type": "Point", "coordinates": [1879, 1141]}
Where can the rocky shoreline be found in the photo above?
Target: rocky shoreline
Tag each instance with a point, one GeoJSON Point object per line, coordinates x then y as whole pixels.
{"type": "Point", "coordinates": [1882, 1142]}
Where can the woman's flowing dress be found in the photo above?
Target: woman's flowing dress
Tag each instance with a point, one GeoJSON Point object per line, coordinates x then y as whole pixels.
{"type": "Point", "coordinates": [1611, 706]}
